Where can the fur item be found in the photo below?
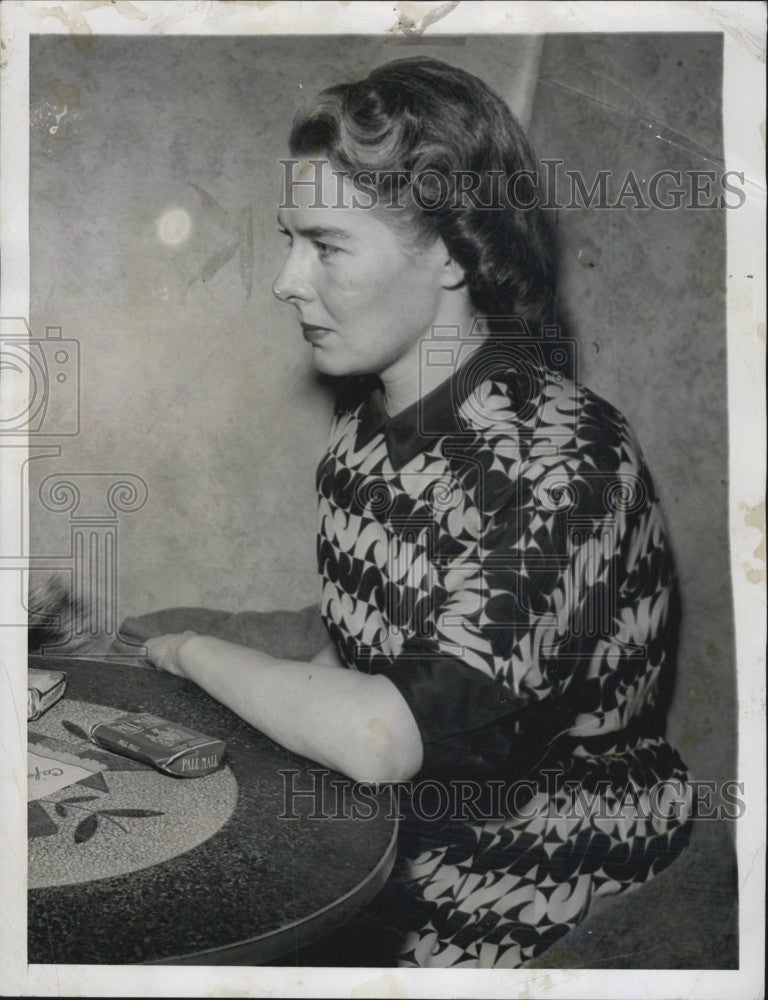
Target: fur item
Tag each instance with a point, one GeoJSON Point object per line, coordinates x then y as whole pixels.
{"type": "Point", "coordinates": [56, 617]}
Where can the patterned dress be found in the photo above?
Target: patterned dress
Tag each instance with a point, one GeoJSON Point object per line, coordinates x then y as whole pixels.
{"type": "Point", "coordinates": [499, 553]}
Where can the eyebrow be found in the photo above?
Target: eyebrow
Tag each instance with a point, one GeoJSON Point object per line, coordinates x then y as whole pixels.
{"type": "Point", "coordinates": [317, 232]}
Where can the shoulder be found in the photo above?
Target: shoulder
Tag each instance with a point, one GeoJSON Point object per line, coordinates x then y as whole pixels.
{"type": "Point", "coordinates": [544, 432]}
{"type": "Point", "coordinates": [548, 412]}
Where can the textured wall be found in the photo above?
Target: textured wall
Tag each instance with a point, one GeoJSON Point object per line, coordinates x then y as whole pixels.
{"type": "Point", "coordinates": [188, 379]}
{"type": "Point", "coordinates": [203, 387]}
{"type": "Point", "coordinates": [644, 294]}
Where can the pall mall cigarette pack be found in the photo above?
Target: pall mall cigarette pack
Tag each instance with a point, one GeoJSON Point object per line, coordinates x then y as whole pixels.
{"type": "Point", "coordinates": [44, 688]}
{"type": "Point", "coordinates": [169, 747]}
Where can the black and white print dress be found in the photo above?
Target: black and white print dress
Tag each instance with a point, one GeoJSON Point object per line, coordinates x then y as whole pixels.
{"type": "Point", "coordinates": [499, 553]}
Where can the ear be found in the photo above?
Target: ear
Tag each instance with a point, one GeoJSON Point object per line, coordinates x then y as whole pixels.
{"type": "Point", "coordinates": [453, 274]}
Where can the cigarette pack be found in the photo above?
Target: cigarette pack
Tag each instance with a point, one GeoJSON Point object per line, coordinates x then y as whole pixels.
{"type": "Point", "coordinates": [169, 747]}
{"type": "Point", "coordinates": [44, 688]}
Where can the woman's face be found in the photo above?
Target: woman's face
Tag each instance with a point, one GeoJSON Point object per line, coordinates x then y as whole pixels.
{"type": "Point", "coordinates": [364, 298]}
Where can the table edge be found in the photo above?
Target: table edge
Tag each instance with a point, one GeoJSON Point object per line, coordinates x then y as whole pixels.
{"type": "Point", "coordinates": [299, 933]}
{"type": "Point", "coordinates": [281, 941]}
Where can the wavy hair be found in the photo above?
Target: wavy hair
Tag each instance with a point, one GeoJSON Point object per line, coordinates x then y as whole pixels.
{"type": "Point", "coordinates": [431, 123]}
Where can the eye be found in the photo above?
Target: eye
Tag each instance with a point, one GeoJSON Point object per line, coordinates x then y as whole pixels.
{"type": "Point", "coordinates": [325, 250]}
{"type": "Point", "coordinates": [284, 232]}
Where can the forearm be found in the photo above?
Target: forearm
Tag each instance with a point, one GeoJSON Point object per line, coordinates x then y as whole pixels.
{"type": "Point", "coordinates": [355, 723]}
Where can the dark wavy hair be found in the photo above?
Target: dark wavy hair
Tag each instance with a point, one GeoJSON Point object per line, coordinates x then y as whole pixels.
{"type": "Point", "coordinates": [420, 114]}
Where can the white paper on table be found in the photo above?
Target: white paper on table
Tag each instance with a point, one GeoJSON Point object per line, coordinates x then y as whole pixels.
{"type": "Point", "coordinates": [47, 774]}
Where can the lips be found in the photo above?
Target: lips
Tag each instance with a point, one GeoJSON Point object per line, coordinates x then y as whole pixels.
{"type": "Point", "coordinates": [314, 334]}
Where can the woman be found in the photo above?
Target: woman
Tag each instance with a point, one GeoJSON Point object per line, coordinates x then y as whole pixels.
{"type": "Point", "coordinates": [496, 582]}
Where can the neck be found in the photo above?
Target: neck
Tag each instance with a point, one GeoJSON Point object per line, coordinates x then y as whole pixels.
{"type": "Point", "coordinates": [414, 377]}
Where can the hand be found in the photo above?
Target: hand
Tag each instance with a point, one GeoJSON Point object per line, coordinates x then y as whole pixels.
{"type": "Point", "coordinates": [163, 651]}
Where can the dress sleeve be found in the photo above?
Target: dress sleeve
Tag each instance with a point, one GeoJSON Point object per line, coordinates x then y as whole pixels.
{"type": "Point", "coordinates": [469, 724]}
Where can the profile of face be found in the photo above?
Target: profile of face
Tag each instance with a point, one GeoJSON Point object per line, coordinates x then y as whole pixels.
{"type": "Point", "coordinates": [364, 294]}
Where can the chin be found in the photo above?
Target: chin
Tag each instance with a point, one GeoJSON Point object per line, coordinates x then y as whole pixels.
{"type": "Point", "coordinates": [327, 364]}
{"type": "Point", "coordinates": [323, 363]}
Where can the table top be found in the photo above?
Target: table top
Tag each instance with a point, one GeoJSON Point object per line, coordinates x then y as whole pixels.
{"type": "Point", "coordinates": [128, 865]}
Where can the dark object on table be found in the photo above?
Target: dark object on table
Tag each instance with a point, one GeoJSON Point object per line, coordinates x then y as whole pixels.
{"type": "Point", "coordinates": [171, 748]}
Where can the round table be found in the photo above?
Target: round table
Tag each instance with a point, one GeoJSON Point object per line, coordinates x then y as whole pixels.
{"type": "Point", "coordinates": [240, 867]}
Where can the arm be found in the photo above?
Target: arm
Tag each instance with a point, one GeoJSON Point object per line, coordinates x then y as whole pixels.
{"type": "Point", "coordinates": [328, 656]}
{"type": "Point", "coordinates": [355, 723]}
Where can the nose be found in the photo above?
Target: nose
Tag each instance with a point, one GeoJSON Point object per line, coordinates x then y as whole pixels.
{"type": "Point", "coordinates": [292, 282]}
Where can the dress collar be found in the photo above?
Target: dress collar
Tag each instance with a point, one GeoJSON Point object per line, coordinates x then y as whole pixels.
{"type": "Point", "coordinates": [418, 426]}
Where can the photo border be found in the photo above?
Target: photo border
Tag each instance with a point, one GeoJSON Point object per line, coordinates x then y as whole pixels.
{"type": "Point", "coordinates": [743, 28]}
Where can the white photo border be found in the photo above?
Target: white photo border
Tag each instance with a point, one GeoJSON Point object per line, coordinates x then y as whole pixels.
{"type": "Point", "coordinates": [743, 28]}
